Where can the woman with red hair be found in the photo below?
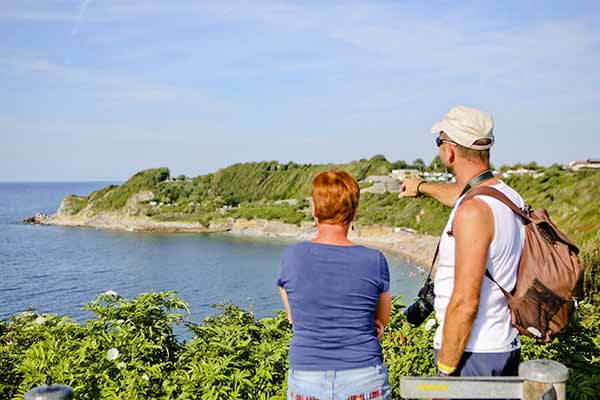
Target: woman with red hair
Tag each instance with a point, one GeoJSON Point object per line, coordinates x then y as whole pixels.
{"type": "Point", "coordinates": [336, 295]}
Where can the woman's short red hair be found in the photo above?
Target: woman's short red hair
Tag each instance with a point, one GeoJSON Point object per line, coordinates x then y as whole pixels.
{"type": "Point", "coordinates": [335, 197]}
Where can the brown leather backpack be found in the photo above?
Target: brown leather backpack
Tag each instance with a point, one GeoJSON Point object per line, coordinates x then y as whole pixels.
{"type": "Point", "coordinates": [549, 280]}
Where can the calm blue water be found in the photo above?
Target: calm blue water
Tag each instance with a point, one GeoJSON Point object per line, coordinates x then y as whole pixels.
{"type": "Point", "coordinates": [57, 270]}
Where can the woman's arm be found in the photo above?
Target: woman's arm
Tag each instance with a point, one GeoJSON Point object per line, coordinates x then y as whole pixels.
{"type": "Point", "coordinates": [286, 304]}
{"type": "Point", "coordinates": [384, 308]}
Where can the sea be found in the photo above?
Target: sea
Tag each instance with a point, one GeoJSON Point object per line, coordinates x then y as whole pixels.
{"type": "Point", "coordinates": [54, 269]}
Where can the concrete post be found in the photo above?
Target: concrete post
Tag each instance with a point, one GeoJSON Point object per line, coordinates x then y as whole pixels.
{"type": "Point", "coordinates": [52, 392]}
{"type": "Point", "coordinates": [543, 380]}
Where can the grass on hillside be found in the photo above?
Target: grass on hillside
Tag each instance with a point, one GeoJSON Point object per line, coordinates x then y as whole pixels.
{"type": "Point", "coordinates": [249, 190]}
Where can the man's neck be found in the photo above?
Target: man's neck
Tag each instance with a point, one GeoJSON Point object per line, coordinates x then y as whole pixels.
{"type": "Point", "coordinates": [469, 171]}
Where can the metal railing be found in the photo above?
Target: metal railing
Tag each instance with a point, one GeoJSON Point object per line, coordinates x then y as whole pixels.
{"type": "Point", "coordinates": [537, 380]}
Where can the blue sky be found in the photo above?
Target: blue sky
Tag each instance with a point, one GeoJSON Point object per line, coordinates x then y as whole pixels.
{"type": "Point", "coordinates": [102, 89]}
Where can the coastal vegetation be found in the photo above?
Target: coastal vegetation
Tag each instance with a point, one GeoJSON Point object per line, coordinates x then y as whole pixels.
{"type": "Point", "coordinates": [256, 190]}
{"type": "Point", "coordinates": [280, 191]}
{"type": "Point", "coordinates": [128, 350]}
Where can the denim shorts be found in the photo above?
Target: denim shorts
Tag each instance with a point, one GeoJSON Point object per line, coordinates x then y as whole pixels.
{"type": "Point", "coordinates": [369, 383]}
{"type": "Point", "coordinates": [487, 364]}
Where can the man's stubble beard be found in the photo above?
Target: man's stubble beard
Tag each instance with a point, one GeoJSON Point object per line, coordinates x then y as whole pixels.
{"type": "Point", "coordinates": [449, 168]}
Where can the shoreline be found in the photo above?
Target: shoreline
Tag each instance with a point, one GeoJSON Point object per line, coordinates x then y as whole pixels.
{"type": "Point", "coordinates": [416, 247]}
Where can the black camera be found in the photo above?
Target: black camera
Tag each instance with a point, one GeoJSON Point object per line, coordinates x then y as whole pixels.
{"type": "Point", "coordinates": [418, 312]}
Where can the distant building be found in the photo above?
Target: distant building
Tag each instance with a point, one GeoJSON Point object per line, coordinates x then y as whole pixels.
{"type": "Point", "coordinates": [589, 163]}
{"type": "Point", "coordinates": [438, 177]}
{"type": "Point", "coordinates": [401, 174]}
{"type": "Point", "coordinates": [376, 178]}
{"type": "Point", "coordinates": [522, 171]}
{"type": "Point", "coordinates": [381, 184]}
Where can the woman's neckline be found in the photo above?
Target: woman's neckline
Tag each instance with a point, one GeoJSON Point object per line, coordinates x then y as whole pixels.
{"type": "Point", "coordinates": [333, 244]}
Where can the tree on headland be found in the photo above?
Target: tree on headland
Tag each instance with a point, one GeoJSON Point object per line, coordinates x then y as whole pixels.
{"type": "Point", "coordinates": [436, 165]}
{"type": "Point", "coordinates": [378, 157]}
{"type": "Point", "coordinates": [419, 164]}
{"type": "Point", "coordinates": [400, 164]}
{"type": "Point", "coordinates": [532, 165]}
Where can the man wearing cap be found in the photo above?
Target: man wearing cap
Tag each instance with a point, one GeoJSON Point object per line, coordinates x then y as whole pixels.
{"type": "Point", "coordinates": [475, 336]}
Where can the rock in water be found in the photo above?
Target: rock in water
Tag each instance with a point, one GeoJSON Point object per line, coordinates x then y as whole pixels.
{"type": "Point", "coordinates": [37, 219]}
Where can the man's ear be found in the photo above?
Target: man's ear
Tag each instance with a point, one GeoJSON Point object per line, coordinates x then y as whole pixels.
{"type": "Point", "coordinates": [451, 154]}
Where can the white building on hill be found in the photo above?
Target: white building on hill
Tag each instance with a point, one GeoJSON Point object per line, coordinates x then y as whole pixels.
{"type": "Point", "coordinates": [589, 163]}
{"type": "Point", "coordinates": [522, 171]}
{"type": "Point", "coordinates": [401, 174]}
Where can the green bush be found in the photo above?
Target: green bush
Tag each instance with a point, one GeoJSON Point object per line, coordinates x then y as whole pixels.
{"type": "Point", "coordinates": [234, 356]}
{"type": "Point", "coordinates": [590, 255]}
{"type": "Point", "coordinates": [407, 350]}
{"type": "Point", "coordinates": [124, 353]}
{"type": "Point", "coordinates": [128, 351]}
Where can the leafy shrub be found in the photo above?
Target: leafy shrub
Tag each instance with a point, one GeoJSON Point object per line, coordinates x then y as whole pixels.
{"type": "Point", "coordinates": [128, 351]}
{"type": "Point", "coordinates": [407, 350]}
{"type": "Point", "coordinates": [234, 356]}
{"type": "Point", "coordinates": [590, 255]}
{"type": "Point", "coordinates": [124, 353]}
{"type": "Point", "coordinates": [578, 348]}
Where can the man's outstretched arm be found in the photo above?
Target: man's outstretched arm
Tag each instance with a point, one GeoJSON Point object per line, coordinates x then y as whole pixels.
{"type": "Point", "coordinates": [445, 193]}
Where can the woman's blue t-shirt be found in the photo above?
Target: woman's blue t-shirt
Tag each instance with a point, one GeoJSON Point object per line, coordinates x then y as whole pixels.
{"type": "Point", "coordinates": [333, 293]}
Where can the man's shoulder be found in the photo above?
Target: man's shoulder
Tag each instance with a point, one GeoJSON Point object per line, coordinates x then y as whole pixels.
{"type": "Point", "coordinates": [473, 210]}
{"type": "Point", "coordinates": [474, 220]}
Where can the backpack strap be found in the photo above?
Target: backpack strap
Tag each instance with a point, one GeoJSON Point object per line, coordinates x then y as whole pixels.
{"type": "Point", "coordinates": [553, 230]}
{"type": "Point", "coordinates": [506, 294]}
{"type": "Point", "coordinates": [498, 195]}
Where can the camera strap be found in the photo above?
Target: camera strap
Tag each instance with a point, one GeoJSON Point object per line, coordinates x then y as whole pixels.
{"type": "Point", "coordinates": [484, 176]}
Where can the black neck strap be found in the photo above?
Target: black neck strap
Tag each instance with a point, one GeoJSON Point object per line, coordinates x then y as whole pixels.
{"type": "Point", "coordinates": [482, 177]}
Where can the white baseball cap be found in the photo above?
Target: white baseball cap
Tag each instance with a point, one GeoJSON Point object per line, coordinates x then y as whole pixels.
{"type": "Point", "coordinates": [466, 126]}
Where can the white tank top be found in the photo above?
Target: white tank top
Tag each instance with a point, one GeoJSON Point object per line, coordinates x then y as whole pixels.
{"type": "Point", "coordinates": [492, 330]}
